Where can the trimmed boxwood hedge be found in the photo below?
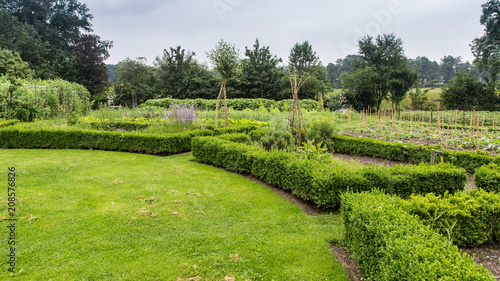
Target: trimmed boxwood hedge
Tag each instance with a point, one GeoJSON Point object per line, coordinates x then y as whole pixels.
{"type": "Point", "coordinates": [7, 123]}
{"type": "Point", "coordinates": [388, 243]}
{"type": "Point", "coordinates": [72, 138]}
{"type": "Point", "coordinates": [488, 177]}
{"type": "Point", "coordinates": [410, 153]}
{"type": "Point", "coordinates": [323, 182]}
{"type": "Point", "coordinates": [236, 104]}
{"type": "Point", "coordinates": [468, 218]}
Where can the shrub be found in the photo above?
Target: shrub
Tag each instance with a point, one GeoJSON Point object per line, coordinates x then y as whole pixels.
{"type": "Point", "coordinates": [73, 138]}
{"type": "Point", "coordinates": [488, 178]}
{"type": "Point", "coordinates": [390, 244]}
{"type": "Point", "coordinates": [410, 153]}
{"type": "Point", "coordinates": [322, 131]}
{"type": "Point", "coordinates": [323, 182]}
{"type": "Point", "coordinates": [467, 219]}
{"type": "Point", "coordinates": [236, 104]}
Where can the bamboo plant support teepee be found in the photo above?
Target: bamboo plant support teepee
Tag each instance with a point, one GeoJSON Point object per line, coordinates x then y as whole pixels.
{"type": "Point", "coordinates": [219, 109]}
{"type": "Point", "coordinates": [295, 118]}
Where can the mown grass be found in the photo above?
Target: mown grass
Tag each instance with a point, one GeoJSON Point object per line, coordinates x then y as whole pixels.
{"type": "Point", "coordinates": [96, 215]}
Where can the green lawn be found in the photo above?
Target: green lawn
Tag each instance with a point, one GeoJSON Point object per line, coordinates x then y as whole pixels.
{"type": "Point", "coordinates": [96, 215]}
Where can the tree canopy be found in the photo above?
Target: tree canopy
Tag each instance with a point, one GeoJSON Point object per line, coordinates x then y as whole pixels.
{"type": "Point", "coordinates": [486, 49]}
{"type": "Point", "coordinates": [54, 37]}
{"type": "Point", "coordinates": [378, 71]}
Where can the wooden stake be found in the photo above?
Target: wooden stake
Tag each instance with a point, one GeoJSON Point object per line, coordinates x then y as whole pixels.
{"type": "Point", "coordinates": [481, 136]}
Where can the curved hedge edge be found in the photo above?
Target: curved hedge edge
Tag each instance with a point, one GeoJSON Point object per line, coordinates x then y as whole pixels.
{"type": "Point", "coordinates": [409, 153]}
{"type": "Point", "coordinates": [14, 137]}
{"type": "Point", "coordinates": [390, 244]}
{"type": "Point", "coordinates": [320, 182]}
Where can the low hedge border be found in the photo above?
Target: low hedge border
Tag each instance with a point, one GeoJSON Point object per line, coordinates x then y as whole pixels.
{"type": "Point", "coordinates": [8, 123]}
{"type": "Point", "coordinates": [323, 182]}
{"type": "Point", "coordinates": [72, 138]}
{"type": "Point", "coordinates": [410, 153]}
{"type": "Point", "coordinates": [467, 218]}
{"type": "Point", "coordinates": [390, 244]}
{"type": "Point", "coordinates": [488, 178]}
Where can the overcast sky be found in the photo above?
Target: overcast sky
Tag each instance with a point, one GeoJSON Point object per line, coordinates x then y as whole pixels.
{"type": "Point", "coordinates": [144, 28]}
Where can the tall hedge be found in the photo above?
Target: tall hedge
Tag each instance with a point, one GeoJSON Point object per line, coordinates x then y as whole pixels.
{"type": "Point", "coordinates": [390, 244]}
{"type": "Point", "coordinates": [236, 104]}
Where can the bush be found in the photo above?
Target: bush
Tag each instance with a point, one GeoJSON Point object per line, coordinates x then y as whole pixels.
{"type": "Point", "coordinates": [467, 219]}
{"type": "Point", "coordinates": [410, 153]}
{"type": "Point", "coordinates": [322, 131]}
{"type": "Point", "coordinates": [7, 123]}
{"type": "Point", "coordinates": [236, 104]}
{"type": "Point", "coordinates": [390, 244]}
{"type": "Point", "coordinates": [323, 182]}
{"type": "Point", "coordinates": [488, 178]}
{"type": "Point", "coordinates": [73, 138]}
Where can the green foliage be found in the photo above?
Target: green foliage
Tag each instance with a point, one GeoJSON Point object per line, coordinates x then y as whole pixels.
{"type": "Point", "coordinates": [12, 64]}
{"type": "Point", "coordinates": [226, 59]}
{"type": "Point", "coordinates": [321, 131]}
{"type": "Point", "coordinates": [390, 244]}
{"type": "Point", "coordinates": [7, 123]}
{"type": "Point", "coordinates": [467, 219]}
{"type": "Point", "coordinates": [487, 177]}
{"type": "Point", "coordinates": [25, 136]}
{"type": "Point", "coordinates": [28, 99]}
{"type": "Point", "coordinates": [260, 77]}
{"type": "Point", "coordinates": [236, 104]}
{"type": "Point", "coordinates": [322, 182]}
{"type": "Point", "coordinates": [485, 48]}
{"type": "Point", "coordinates": [466, 92]}
{"type": "Point", "coordinates": [135, 82]}
{"type": "Point", "coordinates": [382, 61]}
{"type": "Point", "coordinates": [409, 153]}
{"type": "Point", "coordinates": [277, 137]}
{"type": "Point", "coordinates": [179, 75]}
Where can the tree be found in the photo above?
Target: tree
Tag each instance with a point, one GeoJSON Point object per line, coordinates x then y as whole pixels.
{"type": "Point", "coordinates": [486, 49]}
{"type": "Point", "coordinates": [12, 64]}
{"type": "Point", "coordinates": [22, 38]}
{"type": "Point", "coordinates": [465, 91]}
{"type": "Point", "coordinates": [449, 67]}
{"type": "Point", "coordinates": [360, 87]}
{"type": "Point", "coordinates": [53, 36]}
{"type": "Point", "coordinates": [382, 56]}
{"type": "Point", "coordinates": [303, 60]}
{"type": "Point", "coordinates": [261, 76]}
{"type": "Point", "coordinates": [86, 65]}
{"type": "Point", "coordinates": [401, 81]}
{"type": "Point", "coordinates": [302, 57]}
{"type": "Point", "coordinates": [341, 65]}
{"type": "Point", "coordinates": [226, 59]}
{"type": "Point", "coordinates": [427, 69]}
{"type": "Point", "coordinates": [174, 71]}
{"type": "Point", "coordinates": [135, 81]}
{"type": "Point", "coordinates": [57, 21]}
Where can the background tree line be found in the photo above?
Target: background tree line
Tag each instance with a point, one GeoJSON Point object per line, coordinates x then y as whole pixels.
{"type": "Point", "coordinates": [54, 39]}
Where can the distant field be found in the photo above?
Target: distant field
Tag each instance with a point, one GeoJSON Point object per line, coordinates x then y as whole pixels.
{"type": "Point", "coordinates": [433, 94]}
